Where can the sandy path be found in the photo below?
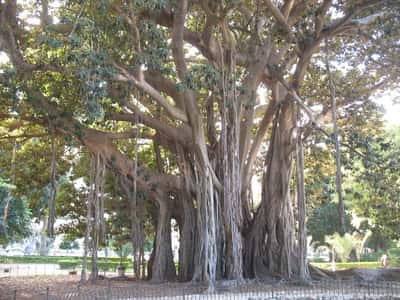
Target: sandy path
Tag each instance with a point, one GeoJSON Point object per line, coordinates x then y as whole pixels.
{"type": "Point", "coordinates": [34, 288]}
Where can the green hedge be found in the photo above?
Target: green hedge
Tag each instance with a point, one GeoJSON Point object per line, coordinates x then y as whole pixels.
{"type": "Point", "coordinates": [375, 256]}
{"type": "Point", "coordinates": [68, 265]}
{"type": "Point", "coordinates": [318, 260]}
{"type": "Point", "coordinates": [36, 259]}
{"type": "Point", "coordinates": [394, 256]}
{"type": "Point", "coordinates": [349, 265]}
{"type": "Point", "coordinates": [53, 259]}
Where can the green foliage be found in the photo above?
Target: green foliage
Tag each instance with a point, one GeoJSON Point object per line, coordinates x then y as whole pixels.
{"type": "Point", "coordinates": [151, 4]}
{"type": "Point", "coordinates": [374, 189]}
{"type": "Point", "coordinates": [67, 265]}
{"type": "Point", "coordinates": [348, 265]}
{"type": "Point", "coordinates": [341, 245]}
{"type": "Point", "coordinates": [32, 259]}
{"type": "Point", "coordinates": [79, 83]}
{"type": "Point", "coordinates": [368, 260]}
{"type": "Point", "coordinates": [324, 221]}
{"type": "Point", "coordinates": [49, 41]}
{"type": "Point", "coordinates": [69, 245]}
{"type": "Point", "coordinates": [17, 226]}
{"type": "Point", "coordinates": [344, 245]}
{"type": "Point", "coordinates": [202, 76]}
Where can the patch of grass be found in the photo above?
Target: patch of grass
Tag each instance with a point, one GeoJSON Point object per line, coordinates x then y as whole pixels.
{"type": "Point", "coordinates": [59, 260]}
{"type": "Point", "coordinates": [349, 265]}
{"type": "Point", "coordinates": [68, 265]}
{"type": "Point", "coordinates": [368, 260]}
{"type": "Point", "coordinates": [33, 259]}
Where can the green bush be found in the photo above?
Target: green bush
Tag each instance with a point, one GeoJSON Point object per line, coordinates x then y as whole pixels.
{"type": "Point", "coordinates": [318, 260]}
{"type": "Point", "coordinates": [54, 259]}
{"type": "Point", "coordinates": [68, 265]}
{"type": "Point", "coordinates": [375, 256]}
{"type": "Point", "coordinates": [33, 259]}
{"type": "Point", "coordinates": [394, 256]}
{"type": "Point", "coordinates": [349, 265]}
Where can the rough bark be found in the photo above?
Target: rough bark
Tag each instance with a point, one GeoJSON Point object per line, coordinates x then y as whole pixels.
{"type": "Point", "coordinates": [301, 205]}
{"type": "Point", "coordinates": [232, 268]}
{"type": "Point", "coordinates": [187, 242]}
{"type": "Point", "coordinates": [270, 249]}
{"type": "Point", "coordinates": [207, 211]}
{"type": "Point", "coordinates": [163, 268]}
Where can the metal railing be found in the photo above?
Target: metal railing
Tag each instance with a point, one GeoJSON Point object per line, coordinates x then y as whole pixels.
{"type": "Point", "coordinates": [34, 269]}
{"type": "Point", "coordinates": [251, 290]}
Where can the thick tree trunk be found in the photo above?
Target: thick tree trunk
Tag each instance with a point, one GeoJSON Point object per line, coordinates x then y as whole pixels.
{"type": "Point", "coordinates": [232, 267]}
{"type": "Point", "coordinates": [270, 248]}
{"type": "Point", "coordinates": [187, 241]}
{"type": "Point", "coordinates": [163, 267]}
{"type": "Point", "coordinates": [207, 210]}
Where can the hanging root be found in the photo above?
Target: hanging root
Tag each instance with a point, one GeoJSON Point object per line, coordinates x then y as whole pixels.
{"type": "Point", "coordinates": [53, 182]}
{"type": "Point", "coordinates": [95, 209]}
{"type": "Point", "coordinates": [88, 218]}
{"type": "Point", "coordinates": [3, 227]}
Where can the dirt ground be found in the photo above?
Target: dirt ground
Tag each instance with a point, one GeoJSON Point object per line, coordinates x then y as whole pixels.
{"type": "Point", "coordinates": [35, 288]}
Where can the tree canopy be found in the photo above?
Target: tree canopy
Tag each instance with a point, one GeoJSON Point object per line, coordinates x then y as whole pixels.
{"type": "Point", "coordinates": [184, 102]}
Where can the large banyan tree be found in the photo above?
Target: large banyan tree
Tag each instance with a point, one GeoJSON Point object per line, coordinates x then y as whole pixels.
{"type": "Point", "coordinates": [221, 86]}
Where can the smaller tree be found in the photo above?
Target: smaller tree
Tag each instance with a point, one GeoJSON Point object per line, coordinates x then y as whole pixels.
{"type": "Point", "coordinates": [69, 245]}
{"type": "Point", "coordinates": [17, 224]}
{"type": "Point", "coordinates": [340, 245]}
{"type": "Point", "coordinates": [343, 246]}
{"type": "Point", "coordinates": [324, 221]}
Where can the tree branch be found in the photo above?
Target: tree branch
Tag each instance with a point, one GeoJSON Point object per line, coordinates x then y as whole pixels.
{"type": "Point", "coordinates": [320, 15]}
{"type": "Point", "coordinates": [180, 135]}
{"type": "Point", "coordinates": [279, 17]}
{"type": "Point", "coordinates": [142, 84]}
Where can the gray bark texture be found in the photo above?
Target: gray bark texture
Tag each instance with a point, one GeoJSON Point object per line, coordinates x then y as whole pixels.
{"type": "Point", "coordinates": [270, 248]}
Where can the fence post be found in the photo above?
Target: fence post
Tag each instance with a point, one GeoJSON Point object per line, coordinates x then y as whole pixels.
{"type": "Point", "coordinates": [108, 289]}
{"type": "Point", "coordinates": [47, 293]}
{"type": "Point", "coordinates": [391, 288]}
{"type": "Point", "coordinates": [369, 288]}
{"type": "Point", "coordinates": [343, 288]}
{"type": "Point", "coordinates": [15, 295]}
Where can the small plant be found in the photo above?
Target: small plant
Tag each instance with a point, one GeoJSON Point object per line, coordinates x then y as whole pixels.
{"type": "Point", "coordinates": [123, 251]}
